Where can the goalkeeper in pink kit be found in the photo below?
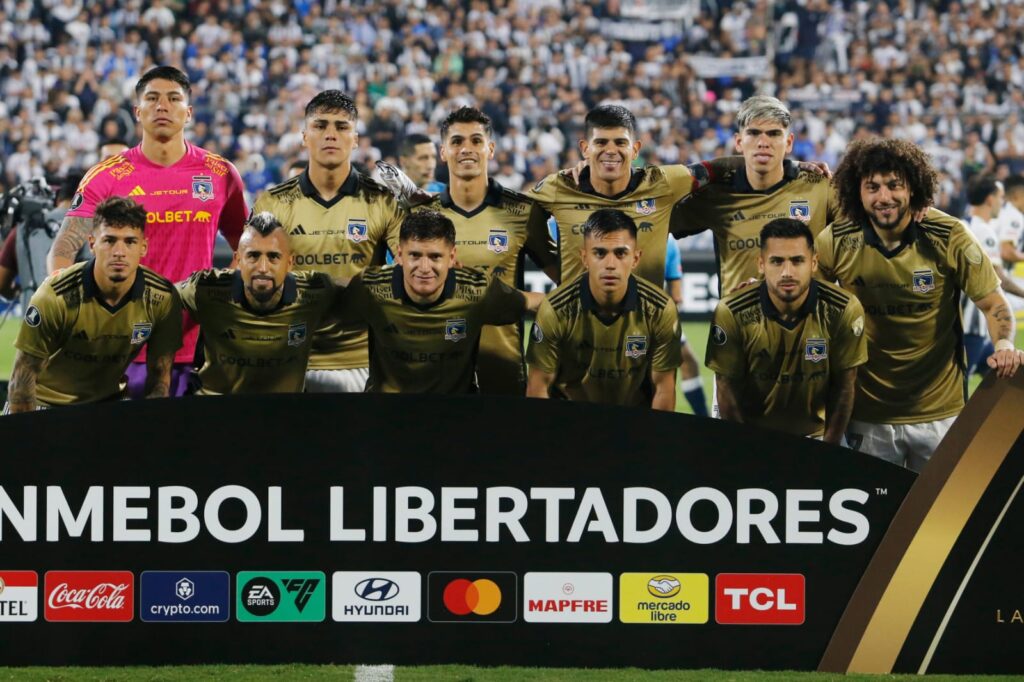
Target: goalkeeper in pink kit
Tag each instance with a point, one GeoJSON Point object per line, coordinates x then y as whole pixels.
{"type": "Point", "coordinates": [188, 193]}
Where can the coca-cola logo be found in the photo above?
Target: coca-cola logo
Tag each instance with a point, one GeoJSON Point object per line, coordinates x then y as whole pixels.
{"type": "Point", "coordinates": [90, 596]}
{"type": "Point", "coordinates": [102, 596]}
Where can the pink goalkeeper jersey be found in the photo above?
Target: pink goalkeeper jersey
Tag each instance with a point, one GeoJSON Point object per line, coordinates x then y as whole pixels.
{"type": "Point", "coordinates": [185, 206]}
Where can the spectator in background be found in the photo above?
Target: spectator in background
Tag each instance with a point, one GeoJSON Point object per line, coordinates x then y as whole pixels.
{"type": "Point", "coordinates": [417, 157]}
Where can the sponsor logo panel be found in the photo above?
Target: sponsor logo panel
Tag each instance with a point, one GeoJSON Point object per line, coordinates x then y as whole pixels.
{"type": "Point", "coordinates": [184, 596]}
{"type": "Point", "coordinates": [281, 596]}
{"type": "Point", "coordinates": [471, 597]}
{"type": "Point", "coordinates": [567, 597]}
{"type": "Point", "coordinates": [664, 598]}
{"type": "Point", "coordinates": [19, 596]}
{"type": "Point", "coordinates": [376, 596]}
{"type": "Point", "coordinates": [89, 596]}
{"type": "Point", "coordinates": [759, 599]}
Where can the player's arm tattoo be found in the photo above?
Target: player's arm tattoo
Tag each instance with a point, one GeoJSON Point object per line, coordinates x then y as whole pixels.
{"type": "Point", "coordinates": [158, 375]}
{"type": "Point", "coordinates": [74, 233]}
{"type": "Point", "coordinates": [839, 405]}
{"type": "Point", "coordinates": [998, 315]}
{"type": "Point", "coordinates": [21, 391]}
{"type": "Point", "coordinates": [728, 406]}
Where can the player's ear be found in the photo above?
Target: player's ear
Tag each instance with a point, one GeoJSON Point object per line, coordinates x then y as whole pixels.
{"type": "Point", "coordinates": [636, 257]}
{"type": "Point", "coordinates": [451, 257]}
{"type": "Point", "coordinates": [490, 147]}
{"type": "Point", "coordinates": [398, 255]}
{"type": "Point", "coordinates": [584, 145]}
{"type": "Point", "coordinates": [760, 264]}
{"type": "Point", "coordinates": [188, 114]}
{"type": "Point", "coordinates": [355, 139]}
{"type": "Point", "coordinates": [143, 246]}
{"type": "Point", "coordinates": [636, 148]}
{"type": "Point", "coordinates": [736, 143]}
{"type": "Point", "coordinates": [814, 263]}
{"type": "Point", "coordinates": [789, 143]}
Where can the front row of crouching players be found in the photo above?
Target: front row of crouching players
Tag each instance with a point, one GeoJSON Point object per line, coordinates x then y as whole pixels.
{"type": "Point", "coordinates": [424, 314]}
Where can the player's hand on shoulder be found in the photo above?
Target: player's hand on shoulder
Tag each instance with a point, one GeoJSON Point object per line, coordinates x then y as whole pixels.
{"type": "Point", "coordinates": [753, 281]}
{"type": "Point", "coordinates": [817, 167]}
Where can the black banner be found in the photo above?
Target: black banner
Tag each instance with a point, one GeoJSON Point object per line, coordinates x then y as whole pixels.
{"type": "Point", "coordinates": [420, 529]}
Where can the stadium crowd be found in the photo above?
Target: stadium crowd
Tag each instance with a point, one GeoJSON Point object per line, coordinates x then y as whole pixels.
{"type": "Point", "coordinates": [947, 75]}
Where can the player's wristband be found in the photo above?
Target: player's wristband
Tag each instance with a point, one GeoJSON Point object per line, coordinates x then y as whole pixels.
{"type": "Point", "coordinates": [1004, 344]}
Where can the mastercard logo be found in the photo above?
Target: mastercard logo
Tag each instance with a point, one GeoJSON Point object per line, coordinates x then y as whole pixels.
{"type": "Point", "coordinates": [463, 597]}
{"type": "Point", "coordinates": [472, 596]}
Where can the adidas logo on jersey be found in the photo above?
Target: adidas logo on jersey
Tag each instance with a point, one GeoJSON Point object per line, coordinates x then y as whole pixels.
{"type": "Point", "coordinates": [137, 192]}
{"type": "Point", "coordinates": [737, 217]}
{"type": "Point", "coordinates": [297, 230]}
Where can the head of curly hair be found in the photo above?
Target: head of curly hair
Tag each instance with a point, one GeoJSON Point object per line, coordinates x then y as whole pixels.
{"type": "Point", "coordinates": [867, 158]}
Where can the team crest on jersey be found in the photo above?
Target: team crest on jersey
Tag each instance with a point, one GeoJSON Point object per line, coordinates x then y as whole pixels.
{"type": "Point", "coordinates": [816, 350]}
{"type": "Point", "coordinates": [455, 330]}
{"type": "Point", "coordinates": [202, 187]}
{"type": "Point", "coordinates": [497, 241]}
{"type": "Point", "coordinates": [636, 346]}
{"type": "Point", "coordinates": [800, 209]}
{"type": "Point", "coordinates": [645, 206]}
{"type": "Point", "coordinates": [924, 281]}
{"type": "Point", "coordinates": [297, 334]}
{"type": "Point", "coordinates": [356, 231]}
{"type": "Point", "coordinates": [141, 332]}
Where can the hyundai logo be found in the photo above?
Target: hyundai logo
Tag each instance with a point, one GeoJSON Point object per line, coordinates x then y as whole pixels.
{"type": "Point", "coordinates": [377, 589]}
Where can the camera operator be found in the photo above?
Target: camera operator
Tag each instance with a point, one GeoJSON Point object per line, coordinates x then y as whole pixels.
{"type": "Point", "coordinates": [24, 252]}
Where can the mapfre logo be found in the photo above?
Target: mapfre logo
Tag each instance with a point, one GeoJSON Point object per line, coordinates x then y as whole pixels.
{"type": "Point", "coordinates": [567, 597]}
{"type": "Point", "coordinates": [759, 599]}
{"type": "Point", "coordinates": [89, 596]}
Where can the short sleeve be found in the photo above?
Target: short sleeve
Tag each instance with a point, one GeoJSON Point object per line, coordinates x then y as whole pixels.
{"type": "Point", "coordinates": [667, 355]}
{"type": "Point", "coordinates": [545, 338]}
{"type": "Point", "coordinates": [725, 353]}
{"type": "Point", "coordinates": [849, 344]}
{"type": "Point", "coordinates": [680, 181]}
{"type": "Point", "coordinates": [166, 335]}
{"type": "Point", "coordinates": [45, 328]}
{"type": "Point", "coordinates": [824, 246]}
{"type": "Point", "coordinates": [187, 292]}
{"type": "Point", "coordinates": [972, 269]}
{"type": "Point", "coordinates": [92, 190]}
{"type": "Point", "coordinates": [544, 191]}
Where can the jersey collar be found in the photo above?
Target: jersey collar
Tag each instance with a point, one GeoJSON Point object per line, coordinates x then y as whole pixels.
{"type": "Point", "coordinates": [492, 197]}
{"type": "Point", "coordinates": [741, 183]}
{"type": "Point", "coordinates": [398, 289]}
{"type": "Point", "coordinates": [90, 289]}
{"type": "Point", "coordinates": [287, 298]}
{"type": "Point", "coordinates": [871, 238]}
{"type": "Point", "coordinates": [347, 189]}
{"type": "Point", "coordinates": [772, 313]}
{"type": "Point", "coordinates": [636, 177]}
{"type": "Point", "coordinates": [629, 303]}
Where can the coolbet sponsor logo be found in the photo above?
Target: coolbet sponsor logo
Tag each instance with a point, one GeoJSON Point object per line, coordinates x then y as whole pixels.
{"type": "Point", "coordinates": [567, 597]}
{"type": "Point", "coordinates": [177, 217]}
{"type": "Point", "coordinates": [281, 596]}
{"type": "Point", "coordinates": [376, 596]}
{"type": "Point", "coordinates": [184, 596]}
{"type": "Point", "coordinates": [19, 594]}
{"type": "Point", "coordinates": [663, 598]}
{"type": "Point", "coordinates": [759, 599]}
{"type": "Point", "coordinates": [89, 596]}
{"type": "Point", "coordinates": [471, 597]}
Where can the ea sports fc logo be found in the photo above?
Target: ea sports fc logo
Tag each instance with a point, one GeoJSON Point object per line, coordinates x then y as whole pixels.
{"type": "Point", "coordinates": [472, 597]}
{"type": "Point", "coordinates": [482, 597]}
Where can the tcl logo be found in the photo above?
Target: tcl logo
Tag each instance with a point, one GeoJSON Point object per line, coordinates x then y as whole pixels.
{"type": "Point", "coordinates": [90, 596]}
{"type": "Point", "coordinates": [759, 599]}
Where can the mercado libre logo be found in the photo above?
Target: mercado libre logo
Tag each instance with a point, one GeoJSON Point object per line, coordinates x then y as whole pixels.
{"type": "Point", "coordinates": [471, 597]}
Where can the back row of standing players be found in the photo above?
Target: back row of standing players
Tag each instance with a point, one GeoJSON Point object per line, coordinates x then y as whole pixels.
{"type": "Point", "coordinates": [775, 362]}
